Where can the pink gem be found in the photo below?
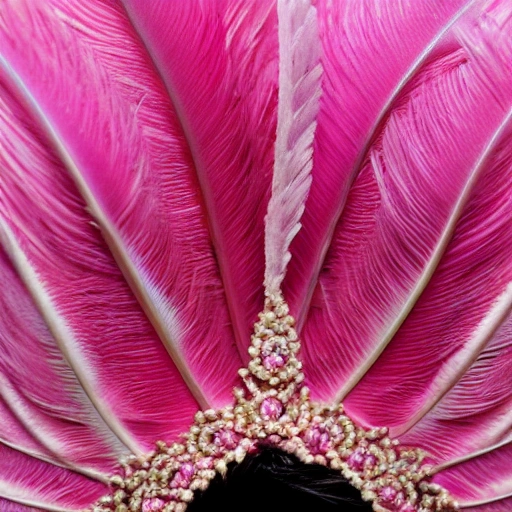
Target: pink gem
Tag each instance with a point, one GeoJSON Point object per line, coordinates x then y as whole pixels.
{"type": "Point", "coordinates": [318, 440]}
{"type": "Point", "coordinates": [205, 463]}
{"type": "Point", "coordinates": [312, 436]}
{"type": "Point", "coordinates": [271, 409]}
{"type": "Point", "coordinates": [273, 362]}
{"type": "Point", "coordinates": [324, 444]}
{"type": "Point", "coordinates": [187, 470]}
{"type": "Point", "coordinates": [179, 481]}
{"type": "Point", "coordinates": [356, 460]}
{"type": "Point", "coordinates": [407, 508]}
{"type": "Point", "coordinates": [226, 439]}
{"type": "Point", "coordinates": [274, 439]}
{"type": "Point", "coordinates": [387, 493]}
{"type": "Point", "coordinates": [153, 505]}
{"type": "Point", "coordinates": [370, 460]}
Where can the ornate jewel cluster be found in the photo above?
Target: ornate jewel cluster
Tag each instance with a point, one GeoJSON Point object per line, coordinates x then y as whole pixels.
{"type": "Point", "coordinates": [275, 408]}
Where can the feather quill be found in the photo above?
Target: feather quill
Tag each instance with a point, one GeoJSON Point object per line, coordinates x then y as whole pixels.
{"type": "Point", "coordinates": [300, 74]}
{"type": "Point", "coordinates": [492, 473]}
{"type": "Point", "coordinates": [458, 335]}
{"type": "Point", "coordinates": [38, 342]}
{"type": "Point", "coordinates": [29, 483]}
{"type": "Point", "coordinates": [477, 411]}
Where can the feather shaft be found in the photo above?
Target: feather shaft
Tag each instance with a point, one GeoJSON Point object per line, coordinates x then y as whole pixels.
{"type": "Point", "coordinates": [33, 483]}
{"type": "Point", "coordinates": [234, 85]}
{"type": "Point", "coordinates": [460, 460]}
{"type": "Point", "coordinates": [429, 269]}
{"type": "Point", "coordinates": [488, 501]}
{"type": "Point", "coordinates": [9, 394]}
{"type": "Point", "coordinates": [463, 361]}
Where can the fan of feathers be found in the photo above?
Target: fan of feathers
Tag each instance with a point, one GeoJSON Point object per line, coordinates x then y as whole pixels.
{"type": "Point", "coordinates": [157, 159]}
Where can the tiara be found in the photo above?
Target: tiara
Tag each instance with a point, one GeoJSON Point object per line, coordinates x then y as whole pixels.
{"type": "Point", "coordinates": [274, 408]}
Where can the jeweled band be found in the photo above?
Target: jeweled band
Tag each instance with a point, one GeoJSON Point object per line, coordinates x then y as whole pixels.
{"type": "Point", "coordinates": [274, 407]}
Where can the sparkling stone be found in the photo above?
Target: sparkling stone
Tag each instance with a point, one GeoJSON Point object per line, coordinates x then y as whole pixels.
{"type": "Point", "coordinates": [388, 493]}
{"type": "Point", "coordinates": [324, 444]}
{"type": "Point", "coordinates": [312, 436]}
{"type": "Point", "coordinates": [271, 409]}
{"type": "Point", "coordinates": [273, 362]}
{"type": "Point", "coordinates": [356, 460]}
{"type": "Point", "coordinates": [179, 481]}
{"type": "Point", "coordinates": [187, 470]}
{"type": "Point", "coordinates": [407, 508]}
{"type": "Point", "coordinates": [227, 439]}
{"type": "Point", "coordinates": [318, 440]}
{"type": "Point", "coordinates": [153, 505]}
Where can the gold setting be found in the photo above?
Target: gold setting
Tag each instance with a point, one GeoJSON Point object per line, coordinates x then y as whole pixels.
{"type": "Point", "coordinates": [275, 408]}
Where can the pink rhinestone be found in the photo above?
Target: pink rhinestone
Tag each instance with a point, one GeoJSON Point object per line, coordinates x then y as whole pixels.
{"type": "Point", "coordinates": [273, 362]}
{"type": "Point", "coordinates": [313, 436]}
{"type": "Point", "coordinates": [274, 439]}
{"type": "Point", "coordinates": [153, 505]}
{"type": "Point", "coordinates": [324, 444]}
{"type": "Point", "coordinates": [205, 463]}
{"type": "Point", "coordinates": [271, 409]}
{"type": "Point", "coordinates": [179, 481]}
{"type": "Point", "coordinates": [388, 493]}
{"type": "Point", "coordinates": [226, 439]}
{"type": "Point", "coordinates": [187, 470]}
{"type": "Point", "coordinates": [407, 508]}
{"type": "Point", "coordinates": [370, 460]}
{"type": "Point", "coordinates": [356, 460]}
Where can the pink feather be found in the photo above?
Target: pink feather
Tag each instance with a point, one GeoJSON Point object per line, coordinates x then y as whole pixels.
{"type": "Point", "coordinates": [482, 480]}
{"type": "Point", "coordinates": [421, 374]}
{"type": "Point", "coordinates": [28, 483]}
{"type": "Point", "coordinates": [137, 147]}
{"type": "Point", "coordinates": [371, 49]}
{"type": "Point", "coordinates": [476, 412]}
{"type": "Point", "coordinates": [404, 206]}
{"type": "Point", "coordinates": [201, 53]}
{"type": "Point", "coordinates": [118, 177]}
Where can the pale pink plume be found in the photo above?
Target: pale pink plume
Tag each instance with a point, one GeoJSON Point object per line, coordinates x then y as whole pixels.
{"type": "Point", "coordinates": [299, 94]}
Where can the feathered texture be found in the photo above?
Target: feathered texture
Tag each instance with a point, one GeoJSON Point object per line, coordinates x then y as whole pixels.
{"type": "Point", "coordinates": [117, 176]}
{"type": "Point", "coordinates": [29, 483]}
{"type": "Point", "coordinates": [299, 93]}
{"type": "Point", "coordinates": [219, 77]}
{"type": "Point", "coordinates": [406, 202]}
{"type": "Point", "coordinates": [138, 153]}
{"type": "Point", "coordinates": [371, 49]}
{"type": "Point", "coordinates": [476, 478]}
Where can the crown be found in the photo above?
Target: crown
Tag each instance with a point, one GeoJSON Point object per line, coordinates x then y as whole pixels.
{"type": "Point", "coordinates": [274, 408]}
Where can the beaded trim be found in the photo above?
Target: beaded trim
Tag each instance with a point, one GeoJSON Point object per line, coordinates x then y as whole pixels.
{"type": "Point", "coordinates": [275, 408]}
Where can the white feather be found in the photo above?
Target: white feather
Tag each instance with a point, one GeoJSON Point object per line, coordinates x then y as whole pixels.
{"type": "Point", "coordinates": [300, 75]}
